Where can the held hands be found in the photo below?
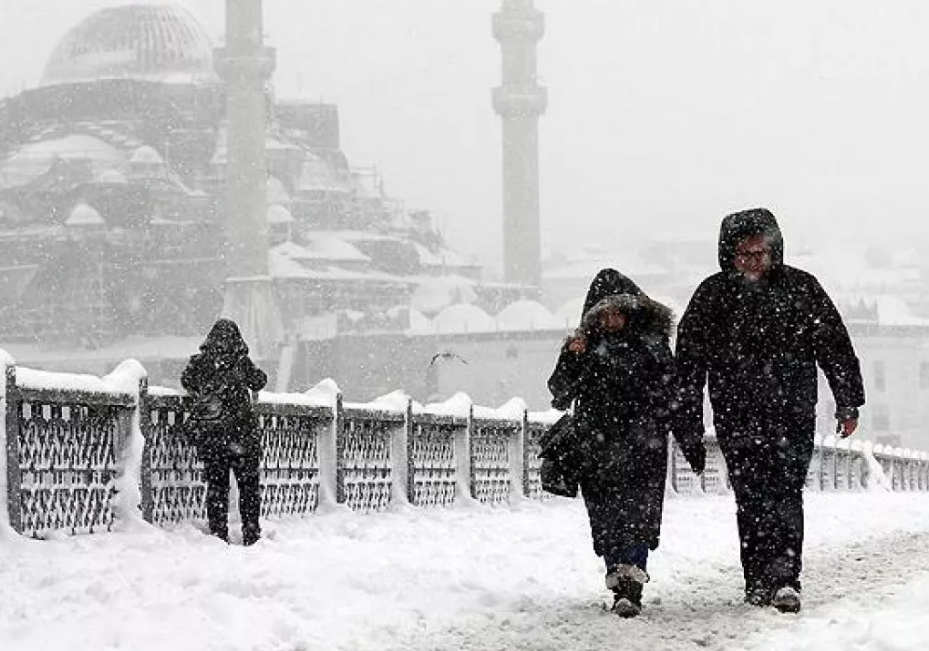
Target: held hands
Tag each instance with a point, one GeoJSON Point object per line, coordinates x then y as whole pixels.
{"type": "Point", "coordinates": [845, 428]}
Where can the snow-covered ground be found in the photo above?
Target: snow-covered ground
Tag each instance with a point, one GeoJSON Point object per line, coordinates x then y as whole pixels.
{"type": "Point", "coordinates": [467, 578]}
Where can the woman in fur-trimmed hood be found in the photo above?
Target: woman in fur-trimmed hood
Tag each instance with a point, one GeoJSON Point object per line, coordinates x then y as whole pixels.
{"type": "Point", "coordinates": [617, 370]}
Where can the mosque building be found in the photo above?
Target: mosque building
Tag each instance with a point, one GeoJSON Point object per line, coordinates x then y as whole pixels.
{"type": "Point", "coordinates": [113, 197]}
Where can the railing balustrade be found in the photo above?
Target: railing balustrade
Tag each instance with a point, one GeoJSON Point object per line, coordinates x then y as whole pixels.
{"type": "Point", "coordinates": [66, 448]}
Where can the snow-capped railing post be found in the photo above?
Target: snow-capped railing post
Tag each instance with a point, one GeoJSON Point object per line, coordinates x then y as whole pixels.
{"type": "Point", "coordinates": [815, 473]}
{"type": "Point", "coordinates": [863, 475]}
{"type": "Point", "coordinates": [464, 461]}
{"type": "Point", "coordinates": [680, 477]}
{"type": "Point", "coordinates": [401, 459]}
{"type": "Point", "coordinates": [13, 478]}
{"type": "Point", "coordinates": [331, 488]}
{"type": "Point", "coordinates": [671, 478]}
{"type": "Point", "coordinates": [517, 457]}
{"type": "Point", "coordinates": [701, 483]}
{"type": "Point", "coordinates": [145, 427]}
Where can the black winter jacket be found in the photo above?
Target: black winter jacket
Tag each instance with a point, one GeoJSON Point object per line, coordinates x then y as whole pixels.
{"type": "Point", "coordinates": [758, 345]}
{"type": "Point", "coordinates": [224, 370]}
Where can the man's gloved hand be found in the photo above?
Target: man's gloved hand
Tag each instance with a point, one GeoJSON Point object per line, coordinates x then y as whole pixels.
{"type": "Point", "coordinates": [696, 456]}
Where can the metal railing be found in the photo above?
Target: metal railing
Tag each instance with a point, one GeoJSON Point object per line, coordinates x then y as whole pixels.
{"type": "Point", "coordinates": [71, 452]}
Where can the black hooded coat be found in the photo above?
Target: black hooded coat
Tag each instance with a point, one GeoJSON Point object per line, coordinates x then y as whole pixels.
{"type": "Point", "coordinates": [622, 387]}
{"type": "Point", "coordinates": [224, 370]}
{"type": "Point", "coordinates": [758, 345]}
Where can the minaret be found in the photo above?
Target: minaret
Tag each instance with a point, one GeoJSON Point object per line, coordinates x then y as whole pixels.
{"type": "Point", "coordinates": [519, 102]}
{"type": "Point", "coordinates": [246, 65]}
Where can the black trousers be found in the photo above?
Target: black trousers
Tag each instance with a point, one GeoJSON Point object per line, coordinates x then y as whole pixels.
{"type": "Point", "coordinates": [247, 475]}
{"type": "Point", "coordinates": [767, 476]}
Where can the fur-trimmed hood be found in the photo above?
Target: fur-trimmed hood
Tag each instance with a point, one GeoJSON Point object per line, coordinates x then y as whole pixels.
{"type": "Point", "coordinates": [646, 316]}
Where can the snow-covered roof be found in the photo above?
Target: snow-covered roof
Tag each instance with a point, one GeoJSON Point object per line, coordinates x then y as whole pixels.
{"type": "Point", "coordinates": [435, 293]}
{"type": "Point", "coordinates": [281, 266]}
{"type": "Point", "coordinates": [34, 159]}
{"type": "Point", "coordinates": [293, 251]}
{"type": "Point", "coordinates": [362, 236]}
{"type": "Point", "coordinates": [278, 214]}
{"type": "Point", "coordinates": [323, 246]}
{"type": "Point", "coordinates": [527, 315]}
{"type": "Point", "coordinates": [443, 258]}
{"type": "Point", "coordinates": [84, 215]}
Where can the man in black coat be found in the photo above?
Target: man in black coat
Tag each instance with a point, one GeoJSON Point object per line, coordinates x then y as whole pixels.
{"type": "Point", "coordinates": [227, 438]}
{"type": "Point", "coordinates": [756, 331]}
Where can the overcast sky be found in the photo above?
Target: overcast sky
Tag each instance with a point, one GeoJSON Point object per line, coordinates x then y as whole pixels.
{"type": "Point", "coordinates": [664, 114]}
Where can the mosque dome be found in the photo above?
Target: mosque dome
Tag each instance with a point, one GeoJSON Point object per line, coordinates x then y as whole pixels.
{"type": "Point", "coordinates": [144, 42]}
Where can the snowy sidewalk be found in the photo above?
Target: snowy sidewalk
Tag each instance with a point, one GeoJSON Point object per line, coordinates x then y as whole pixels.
{"type": "Point", "coordinates": [476, 578]}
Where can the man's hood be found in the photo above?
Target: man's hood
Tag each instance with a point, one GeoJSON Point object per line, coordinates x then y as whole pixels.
{"type": "Point", "coordinates": [746, 223]}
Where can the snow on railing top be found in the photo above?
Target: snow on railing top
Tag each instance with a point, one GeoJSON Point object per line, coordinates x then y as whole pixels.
{"type": "Point", "coordinates": [123, 381]}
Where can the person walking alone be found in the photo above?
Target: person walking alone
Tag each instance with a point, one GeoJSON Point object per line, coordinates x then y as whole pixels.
{"type": "Point", "coordinates": [220, 380]}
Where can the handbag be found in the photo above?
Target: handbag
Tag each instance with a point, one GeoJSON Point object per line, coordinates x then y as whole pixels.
{"type": "Point", "coordinates": [205, 407]}
{"type": "Point", "coordinates": [561, 468]}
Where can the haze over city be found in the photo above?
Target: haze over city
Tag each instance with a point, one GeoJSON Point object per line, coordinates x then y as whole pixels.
{"type": "Point", "coordinates": [662, 116]}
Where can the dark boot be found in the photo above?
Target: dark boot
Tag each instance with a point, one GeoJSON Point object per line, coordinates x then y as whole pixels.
{"type": "Point", "coordinates": [627, 598]}
{"type": "Point", "coordinates": [787, 600]}
{"type": "Point", "coordinates": [626, 583]}
{"type": "Point", "coordinates": [250, 535]}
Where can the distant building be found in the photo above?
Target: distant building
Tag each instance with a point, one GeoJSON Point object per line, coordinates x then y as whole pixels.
{"type": "Point", "coordinates": [112, 174]}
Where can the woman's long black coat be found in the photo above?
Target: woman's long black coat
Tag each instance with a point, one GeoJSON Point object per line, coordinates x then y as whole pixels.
{"type": "Point", "coordinates": [622, 387]}
{"type": "Point", "coordinates": [224, 369]}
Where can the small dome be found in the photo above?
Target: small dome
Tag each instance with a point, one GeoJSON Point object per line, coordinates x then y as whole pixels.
{"type": "Point", "coordinates": [84, 215]}
{"type": "Point", "coordinates": [146, 155]}
{"type": "Point", "coordinates": [463, 318]}
{"type": "Point", "coordinates": [569, 314]}
{"type": "Point", "coordinates": [145, 42]}
{"type": "Point", "coordinates": [527, 315]}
